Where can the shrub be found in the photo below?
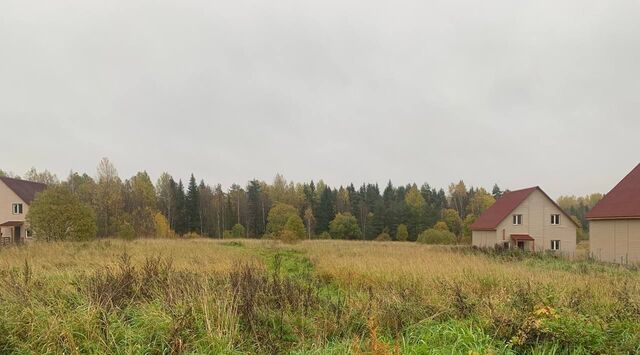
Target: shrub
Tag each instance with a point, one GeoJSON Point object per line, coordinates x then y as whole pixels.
{"type": "Point", "coordinates": [288, 236]}
{"type": "Point", "coordinates": [191, 235]}
{"type": "Point", "coordinates": [126, 231]}
{"type": "Point", "coordinates": [227, 234]}
{"type": "Point", "coordinates": [269, 236]}
{"type": "Point", "coordinates": [345, 226]}
{"type": "Point", "coordinates": [383, 237]}
{"type": "Point", "coordinates": [238, 231]}
{"type": "Point", "coordinates": [402, 233]}
{"type": "Point", "coordinates": [434, 236]}
{"type": "Point", "coordinates": [324, 235]}
{"type": "Point", "coordinates": [441, 226]}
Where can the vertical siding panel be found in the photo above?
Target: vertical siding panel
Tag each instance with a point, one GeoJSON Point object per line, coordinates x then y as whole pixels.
{"type": "Point", "coordinates": [634, 241]}
{"type": "Point", "coordinates": [621, 241]}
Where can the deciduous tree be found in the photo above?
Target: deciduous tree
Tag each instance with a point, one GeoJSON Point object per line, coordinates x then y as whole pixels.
{"type": "Point", "coordinates": [480, 201]}
{"type": "Point", "coordinates": [453, 220]}
{"type": "Point", "coordinates": [56, 214]}
{"type": "Point", "coordinates": [43, 177]}
{"type": "Point", "coordinates": [278, 217]}
{"type": "Point", "coordinates": [294, 225]}
{"type": "Point", "coordinates": [345, 226]}
{"type": "Point", "coordinates": [109, 198]}
{"type": "Point", "coordinates": [402, 233]}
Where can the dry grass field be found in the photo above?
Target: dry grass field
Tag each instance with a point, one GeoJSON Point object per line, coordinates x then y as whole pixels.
{"type": "Point", "coordinates": [322, 297]}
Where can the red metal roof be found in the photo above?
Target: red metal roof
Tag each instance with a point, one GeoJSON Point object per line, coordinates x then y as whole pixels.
{"type": "Point", "coordinates": [495, 214]}
{"type": "Point", "coordinates": [26, 190]}
{"type": "Point", "coordinates": [623, 202]}
{"type": "Point", "coordinates": [12, 224]}
{"type": "Point", "coordinates": [521, 237]}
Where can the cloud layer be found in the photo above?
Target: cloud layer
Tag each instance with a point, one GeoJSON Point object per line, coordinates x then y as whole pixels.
{"type": "Point", "coordinates": [519, 93]}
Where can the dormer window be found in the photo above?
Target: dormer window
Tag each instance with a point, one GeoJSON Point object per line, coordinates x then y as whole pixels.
{"type": "Point", "coordinates": [16, 208]}
{"type": "Point", "coordinates": [555, 219]}
{"type": "Point", "coordinates": [517, 219]}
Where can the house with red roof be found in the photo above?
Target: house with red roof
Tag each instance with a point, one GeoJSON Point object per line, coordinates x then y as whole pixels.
{"type": "Point", "coordinates": [15, 197]}
{"type": "Point", "coordinates": [614, 222]}
{"type": "Point", "coordinates": [527, 219]}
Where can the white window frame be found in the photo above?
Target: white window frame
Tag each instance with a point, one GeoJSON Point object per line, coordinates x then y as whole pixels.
{"type": "Point", "coordinates": [517, 219]}
{"type": "Point", "coordinates": [17, 208]}
{"type": "Point", "coordinates": [555, 219]}
{"type": "Point", "coordinates": [555, 245]}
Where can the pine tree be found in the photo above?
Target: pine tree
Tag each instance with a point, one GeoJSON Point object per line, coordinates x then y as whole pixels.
{"type": "Point", "coordinates": [180, 220]}
{"type": "Point", "coordinates": [207, 213]}
{"type": "Point", "coordinates": [496, 192]}
{"type": "Point", "coordinates": [255, 225]}
{"type": "Point", "coordinates": [325, 211]}
{"type": "Point", "coordinates": [192, 206]}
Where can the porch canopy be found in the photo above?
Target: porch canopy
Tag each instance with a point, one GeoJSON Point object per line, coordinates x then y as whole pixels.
{"type": "Point", "coordinates": [11, 224]}
{"type": "Point", "coordinates": [522, 237]}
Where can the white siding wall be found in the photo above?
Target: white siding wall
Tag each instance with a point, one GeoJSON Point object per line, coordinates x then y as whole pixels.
{"type": "Point", "coordinates": [615, 241]}
{"type": "Point", "coordinates": [483, 239]}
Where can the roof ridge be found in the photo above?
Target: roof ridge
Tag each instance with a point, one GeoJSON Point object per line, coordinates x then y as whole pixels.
{"type": "Point", "coordinates": [498, 212]}
{"type": "Point", "coordinates": [622, 201]}
{"type": "Point", "coordinates": [26, 190]}
{"type": "Point", "coordinates": [21, 180]}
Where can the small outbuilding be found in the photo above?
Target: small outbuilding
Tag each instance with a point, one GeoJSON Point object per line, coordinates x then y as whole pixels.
{"type": "Point", "coordinates": [614, 222]}
{"type": "Point", "coordinates": [527, 219]}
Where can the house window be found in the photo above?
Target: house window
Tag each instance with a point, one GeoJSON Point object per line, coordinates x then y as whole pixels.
{"type": "Point", "coordinates": [16, 208]}
{"type": "Point", "coordinates": [517, 219]}
{"type": "Point", "coordinates": [29, 233]}
{"type": "Point", "coordinates": [555, 219]}
{"type": "Point", "coordinates": [555, 245]}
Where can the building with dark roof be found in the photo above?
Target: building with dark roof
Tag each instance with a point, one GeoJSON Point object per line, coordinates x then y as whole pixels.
{"type": "Point", "coordinates": [614, 222]}
{"type": "Point", "coordinates": [527, 219]}
{"type": "Point", "coordinates": [15, 197]}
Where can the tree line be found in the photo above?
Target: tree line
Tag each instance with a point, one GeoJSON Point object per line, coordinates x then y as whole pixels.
{"type": "Point", "coordinates": [280, 209]}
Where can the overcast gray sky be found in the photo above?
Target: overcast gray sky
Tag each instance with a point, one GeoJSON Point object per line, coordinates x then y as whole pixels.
{"type": "Point", "coordinates": [515, 92]}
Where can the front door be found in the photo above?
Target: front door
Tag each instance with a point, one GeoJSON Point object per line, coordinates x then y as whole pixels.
{"type": "Point", "coordinates": [521, 245]}
{"type": "Point", "coordinates": [17, 231]}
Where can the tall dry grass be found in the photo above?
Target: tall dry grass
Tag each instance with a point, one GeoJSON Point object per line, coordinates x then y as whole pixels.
{"type": "Point", "coordinates": [201, 254]}
{"type": "Point", "coordinates": [323, 296]}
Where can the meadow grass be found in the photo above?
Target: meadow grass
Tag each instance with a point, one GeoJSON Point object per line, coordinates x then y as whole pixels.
{"type": "Point", "coordinates": [321, 297]}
